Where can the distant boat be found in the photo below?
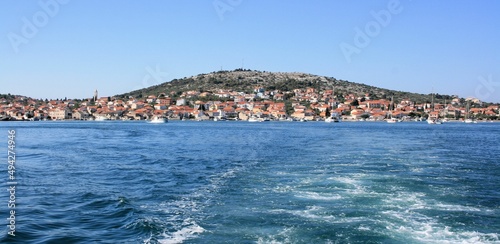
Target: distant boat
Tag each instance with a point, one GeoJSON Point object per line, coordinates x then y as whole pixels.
{"type": "Point", "coordinates": [254, 119]}
{"type": "Point", "coordinates": [334, 118]}
{"type": "Point", "coordinates": [158, 120]}
{"type": "Point", "coordinates": [219, 119]}
{"type": "Point", "coordinates": [392, 120]}
{"type": "Point", "coordinates": [101, 118]}
{"type": "Point", "coordinates": [434, 121]}
{"type": "Point", "coordinates": [470, 121]}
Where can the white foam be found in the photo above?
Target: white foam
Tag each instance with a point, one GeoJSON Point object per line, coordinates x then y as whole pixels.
{"type": "Point", "coordinates": [283, 236]}
{"type": "Point", "coordinates": [188, 206]}
{"type": "Point", "coordinates": [317, 213]}
{"type": "Point", "coordinates": [191, 230]}
{"type": "Point", "coordinates": [364, 228]}
{"type": "Point", "coordinates": [424, 229]}
{"type": "Point", "coordinates": [318, 196]}
{"type": "Point", "coordinates": [282, 189]}
{"type": "Point", "coordinates": [308, 213]}
{"type": "Point", "coordinates": [345, 180]}
{"type": "Point", "coordinates": [451, 207]}
{"type": "Point", "coordinates": [406, 200]}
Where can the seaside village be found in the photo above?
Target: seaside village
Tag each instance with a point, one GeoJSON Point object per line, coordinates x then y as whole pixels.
{"type": "Point", "coordinates": [297, 105]}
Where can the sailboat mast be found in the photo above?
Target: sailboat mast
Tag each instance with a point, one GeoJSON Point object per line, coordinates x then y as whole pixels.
{"type": "Point", "coordinates": [432, 101]}
{"type": "Point", "coordinates": [391, 106]}
{"type": "Point", "coordinates": [467, 108]}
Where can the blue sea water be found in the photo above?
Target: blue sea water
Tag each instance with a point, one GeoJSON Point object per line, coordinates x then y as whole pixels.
{"type": "Point", "coordinates": [239, 182]}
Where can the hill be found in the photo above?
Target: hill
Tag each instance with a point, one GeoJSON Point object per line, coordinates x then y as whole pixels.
{"type": "Point", "coordinates": [247, 80]}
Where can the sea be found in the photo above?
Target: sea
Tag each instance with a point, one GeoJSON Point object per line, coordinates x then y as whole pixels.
{"type": "Point", "coordinates": [241, 182]}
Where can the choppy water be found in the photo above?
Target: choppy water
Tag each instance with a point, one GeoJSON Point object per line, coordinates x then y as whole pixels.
{"type": "Point", "coordinates": [239, 182]}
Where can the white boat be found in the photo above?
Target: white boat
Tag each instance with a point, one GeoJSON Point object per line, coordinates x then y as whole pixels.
{"type": "Point", "coordinates": [158, 120]}
{"type": "Point", "coordinates": [333, 118]}
{"type": "Point", "coordinates": [470, 121]}
{"type": "Point", "coordinates": [254, 119]}
{"type": "Point", "coordinates": [101, 118]}
{"type": "Point", "coordinates": [434, 121]}
{"type": "Point", "coordinates": [392, 120]}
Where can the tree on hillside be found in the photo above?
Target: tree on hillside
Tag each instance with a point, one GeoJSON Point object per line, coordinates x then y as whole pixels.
{"type": "Point", "coordinates": [288, 107]}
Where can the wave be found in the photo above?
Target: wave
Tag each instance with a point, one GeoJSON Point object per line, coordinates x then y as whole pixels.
{"type": "Point", "coordinates": [189, 230]}
{"type": "Point", "coordinates": [318, 196]}
{"type": "Point", "coordinates": [185, 213]}
{"type": "Point", "coordinates": [417, 227]}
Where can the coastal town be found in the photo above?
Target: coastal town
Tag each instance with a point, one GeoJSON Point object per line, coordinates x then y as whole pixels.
{"type": "Point", "coordinates": [306, 104]}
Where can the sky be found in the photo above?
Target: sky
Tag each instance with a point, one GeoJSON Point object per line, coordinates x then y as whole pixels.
{"type": "Point", "coordinates": [68, 48]}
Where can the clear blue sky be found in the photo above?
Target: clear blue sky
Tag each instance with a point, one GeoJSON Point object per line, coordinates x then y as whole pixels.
{"type": "Point", "coordinates": [117, 46]}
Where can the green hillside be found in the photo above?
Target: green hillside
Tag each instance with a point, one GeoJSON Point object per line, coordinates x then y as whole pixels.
{"type": "Point", "coordinates": [247, 80]}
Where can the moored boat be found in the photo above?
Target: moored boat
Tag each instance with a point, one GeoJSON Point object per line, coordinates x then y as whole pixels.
{"type": "Point", "coordinates": [158, 120]}
{"type": "Point", "coordinates": [254, 119]}
{"type": "Point", "coordinates": [101, 118]}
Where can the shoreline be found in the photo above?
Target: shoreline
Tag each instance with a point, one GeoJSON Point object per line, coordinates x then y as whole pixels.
{"type": "Point", "coordinates": [210, 120]}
